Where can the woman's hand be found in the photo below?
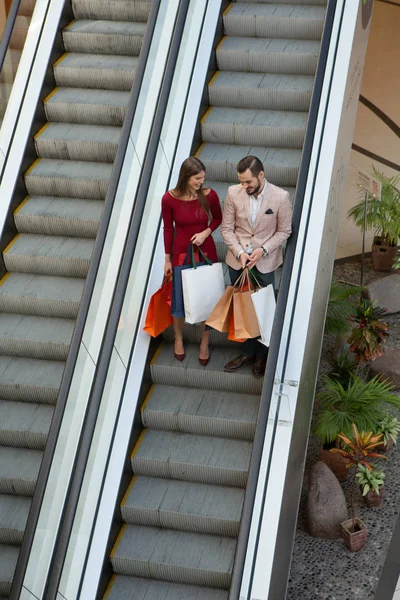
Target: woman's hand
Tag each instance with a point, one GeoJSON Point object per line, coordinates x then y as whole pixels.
{"type": "Point", "coordinates": [167, 267]}
{"type": "Point", "coordinates": [199, 238]}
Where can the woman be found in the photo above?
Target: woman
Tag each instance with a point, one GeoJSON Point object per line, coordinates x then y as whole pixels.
{"type": "Point", "coordinates": [190, 214]}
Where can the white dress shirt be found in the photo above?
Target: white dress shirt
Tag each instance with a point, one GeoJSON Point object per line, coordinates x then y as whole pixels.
{"type": "Point", "coordinates": [254, 208]}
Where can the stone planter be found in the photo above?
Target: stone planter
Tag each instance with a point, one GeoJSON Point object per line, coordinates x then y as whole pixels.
{"type": "Point", "coordinates": [336, 463]}
{"type": "Point", "coordinates": [372, 500]}
{"type": "Point", "coordinates": [355, 540]}
{"type": "Point", "coordinates": [382, 256]}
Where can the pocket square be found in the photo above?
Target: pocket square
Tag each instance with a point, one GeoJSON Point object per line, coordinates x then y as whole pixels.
{"type": "Point", "coordinates": [269, 211]}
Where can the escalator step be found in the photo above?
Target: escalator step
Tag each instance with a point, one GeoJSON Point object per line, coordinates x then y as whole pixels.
{"type": "Point", "coordinates": [74, 179]}
{"type": "Point", "coordinates": [123, 38]}
{"type": "Point", "coordinates": [50, 215]}
{"type": "Point", "coordinates": [191, 410]}
{"type": "Point", "coordinates": [41, 295]}
{"type": "Point", "coordinates": [19, 469]}
{"type": "Point", "coordinates": [268, 55]}
{"type": "Point", "coordinates": [275, 20]}
{"type": "Point", "coordinates": [260, 90]}
{"type": "Point", "coordinates": [24, 425]}
{"type": "Point", "coordinates": [98, 71]}
{"type": "Point", "coordinates": [165, 369]}
{"type": "Point", "coordinates": [29, 379]}
{"type": "Point", "coordinates": [13, 517]}
{"type": "Point", "coordinates": [75, 105]}
{"type": "Point", "coordinates": [302, 2]}
{"type": "Point", "coordinates": [177, 556]}
{"type": "Point", "coordinates": [194, 458]}
{"type": "Point", "coordinates": [8, 562]}
{"type": "Point", "coordinates": [67, 141]}
{"type": "Point", "coordinates": [120, 10]}
{"type": "Point", "coordinates": [35, 337]}
{"type": "Point", "coordinates": [192, 333]}
{"type": "Point", "coordinates": [135, 588]}
{"type": "Point", "coordinates": [196, 507]}
{"type": "Point", "coordinates": [283, 129]}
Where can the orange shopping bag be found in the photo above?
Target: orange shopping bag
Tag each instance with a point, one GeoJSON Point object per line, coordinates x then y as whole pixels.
{"type": "Point", "coordinates": [220, 316]}
{"type": "Point", "coordinates": [243, 323]}
{"type": "Point", "coordinates": [158, 316]}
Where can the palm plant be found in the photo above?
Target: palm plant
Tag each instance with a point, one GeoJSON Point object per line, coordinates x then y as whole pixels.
{"type": "Point", "coordinates": [343, 369]}
{"type": "Point", "coordinates": [369, 334]}
{"type": "Point", "coordinates": [340, 308]}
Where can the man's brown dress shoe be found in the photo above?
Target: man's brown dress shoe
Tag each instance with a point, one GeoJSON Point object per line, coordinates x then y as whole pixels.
{"type": "Point", "coordinates": [259, 366]}
{"type": "Point", "coordinates": [238, 362]}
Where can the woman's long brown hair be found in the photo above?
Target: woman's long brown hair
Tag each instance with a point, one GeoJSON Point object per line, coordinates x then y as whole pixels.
{"type": "Point", "coordinates": [191, 166]}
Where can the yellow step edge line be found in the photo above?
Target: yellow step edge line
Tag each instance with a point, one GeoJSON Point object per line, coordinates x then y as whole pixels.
{"type": "Point", "coordinates": [69, 25]}
{"type": "Point", "coordinates": [51, 95]}
{"type": "Point", "coordinates": [16, 211]}
{"type": "Point", "coordinates": [128, 491]}
{"type": "Point", "coordinates": [11, 243]}
{"type": "Point", "coordinates": [2, 280]}
{"type": "Point", "coordinates": [204, 117]}
{"type": "Point", "coordinates": [140, 440]}
{"type": "Point", "coordinates": [214, 77]}
{"type": "Point", "coordinates": [39, 133]}
{"type": "Point", "coordinates": [146, 400]}
{"type": "Point", "coordinates": [221, 42]}
{"type": "Point", "coordinates": [200, 150]}
{"type": "Point", "coordinates": [117, 543]}
{"type": "Point", "coordinates": [60, 59]}
{"type": "Point", "coordinates": [108, 590]}
{"type": "Point", "coordinates": [33, 165]}
{"type": "Point", "coordinates": [156, 355]}
{"type": "Point", "coordinates": [228, 8]}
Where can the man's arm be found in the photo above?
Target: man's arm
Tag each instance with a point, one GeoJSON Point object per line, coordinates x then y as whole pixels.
{"type": "Point", "coordinates": [283, 228]}
{"type": "Point", "coordinates": [228, 227]}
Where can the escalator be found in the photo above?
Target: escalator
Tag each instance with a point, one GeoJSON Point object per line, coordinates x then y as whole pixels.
{"type": "Point", "coordinates": [183, 507]}
{"type": "Point", "coordinates": [48, 260]}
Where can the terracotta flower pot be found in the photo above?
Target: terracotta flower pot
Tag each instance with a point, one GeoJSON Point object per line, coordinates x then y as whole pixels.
{"type": "Point", "coordinates": [336, 463]}
{"type": "Point", "coordinates": [355, 540]}
{"type": "Point", "coordinates": [372, 500]}
{"type": "Point", "coordinates": [382, 256]}
{"type": "Point", "coordinates": [385, 447]}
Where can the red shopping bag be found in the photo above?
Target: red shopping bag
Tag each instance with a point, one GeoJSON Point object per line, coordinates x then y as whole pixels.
{"type": "Point", "coordinates": [158, 316]}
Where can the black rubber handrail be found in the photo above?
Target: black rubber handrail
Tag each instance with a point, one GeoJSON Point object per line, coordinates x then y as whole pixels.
{"type": "Point", "coordinates": [8, 30]}
{"type": "Point", "coordinates": [276, 337]}
{"type": "Point", "coordinates": [107, 345]}
{"type": "Point", "coordinates": [82, 314]}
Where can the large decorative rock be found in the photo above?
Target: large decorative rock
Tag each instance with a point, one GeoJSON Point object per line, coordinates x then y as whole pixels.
{"type": "Point", "coordinates": [326, 504]}
{"type": "Point", "coordinates": [385, 293]}
{"type": "Point", "coordinates": [388, 365]}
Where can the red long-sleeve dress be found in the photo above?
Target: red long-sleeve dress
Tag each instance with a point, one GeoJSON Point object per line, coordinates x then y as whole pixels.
{"type": "Point", "coordinates": [184, 218]}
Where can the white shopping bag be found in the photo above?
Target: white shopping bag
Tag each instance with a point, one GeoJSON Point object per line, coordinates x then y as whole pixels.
{"type": "Point", "coordinates": [264, 305]}
{"type": "Point", "coordinates": [202, 288]}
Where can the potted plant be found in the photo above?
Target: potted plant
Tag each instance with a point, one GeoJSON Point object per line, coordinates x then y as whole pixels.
{"type": "Point", "coordinates": [382, 216]}
{"type": "Point", "coordinates": [343, 369]}
{"type": "Point", "coordinates": [359, 451]}
{"type": "Point", "coordinates": [390, 428]}
{"type": "Point", "coordinates": [371, 482]}
{"type": "Point", "coordinates": [339, 313]}
{"type": "Point", "coordinates": [361, 402]}
{"type": "Point", "coordinates": [370, 332]}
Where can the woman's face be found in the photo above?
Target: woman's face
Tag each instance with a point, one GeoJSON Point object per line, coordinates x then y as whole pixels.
{"type": "Point", "coordinates": [196, 181]}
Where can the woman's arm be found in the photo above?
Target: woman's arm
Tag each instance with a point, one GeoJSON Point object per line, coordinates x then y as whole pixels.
{"type": "Point", "coordinates": [168, 222]}
{"type": "Point", "coordinates": [216, 219]}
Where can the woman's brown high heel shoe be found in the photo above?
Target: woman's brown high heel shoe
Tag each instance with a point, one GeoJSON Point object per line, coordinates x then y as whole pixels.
{"type": "Point", "coordinates": [180, 357]}
{"type": "Point", "coordinates": [204, 361]}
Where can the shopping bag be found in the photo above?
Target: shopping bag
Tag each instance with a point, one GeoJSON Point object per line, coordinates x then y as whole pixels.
{"type": "Point", "coordinates": [202, 287]}
{"type": "Point", "coordinates": [158, 316]}
{"type": "Point", "coordinates": [231, 328]}
{"type": "Point", "coordinates": [264, 304]}
{"type": "Point", "coordinates": [244, 314]}
{"type": "Point", "coordinates": [220, 315]}
{"type": "Point", "coordinates": [177, 303]}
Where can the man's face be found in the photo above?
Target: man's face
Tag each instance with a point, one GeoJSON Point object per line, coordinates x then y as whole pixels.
{"type": "Point", "coordinates": [250, 183]}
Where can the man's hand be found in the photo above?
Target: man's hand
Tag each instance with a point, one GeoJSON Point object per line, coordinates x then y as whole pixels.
{"type": "Point", "coordinates": [255, 256]}
{"type": "Point", "coordinates": [244, 258]}
{"type": "Point", "coordinates": [198, 238]}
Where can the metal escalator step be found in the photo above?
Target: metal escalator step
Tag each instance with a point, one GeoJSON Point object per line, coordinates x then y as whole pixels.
{"type": "Point", "coordinates": [74, 179]}
{"type": "Point", "coordinates": [29, 379]}
{"type": "Point", "coordinates": [19, 469]}
{"type": "Point", "coordinates": [260, 90]}
{"type": "Point", "coordinates": [283, 129]}
{"type": "Point", "coordinates": [302, 2]}
{"type": "Point", "coordinates": [78, 142]}
{"type": "Point", "coordinates": [35, 337]}
{"type": "Point", "coordinates": [123, 587]}
{"type": "Point", "coordinates": [266, 55]}
{"type": "Point", "coordinates": [117, 10]}
{"type": "Point", "coordinates": [281, 164]}
{"type": "Point", "coordinates": [186, 506]}
{"type": "Point", "coordinates": [196, 458]}
{"type": "Point", "coordinates": [191, 410]}
{"type": "Point", "coordinates": [95, 71]}
{"type": "Point", "coordinates": [123, 38]}
{"type": "Point", "coordinates": [50, 215]}
{"type": "Point", "coordinates": [192, 335]}
{"type": "Point", "coordinates": [8, 562]}
{"type": "Point", "coordinates": [49, 255]}
{"type": "Point", "coordinates": [275, 20]}
{"type": "Point", "coordinates": [13, 517]}
{"type": "Point", "coordinates": [177, 556]}
{"type": "Point", "coordinates": [41, 295]}
{"type": "Point", "coordinates": [75, 105]}
{"type": "Point", "coordinates": [165, 369]}
{"type": "Point", "coordinates": [24, 425]}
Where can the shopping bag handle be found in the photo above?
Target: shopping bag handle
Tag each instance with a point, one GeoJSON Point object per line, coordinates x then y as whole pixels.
{"type": "Point", "coordinates": [246, 276]}
{"type": "Point", "coordinates": [191, 259]}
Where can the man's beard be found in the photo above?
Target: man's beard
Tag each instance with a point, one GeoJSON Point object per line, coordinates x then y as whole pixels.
{"type": "Point", "coordinates": [256, 189]}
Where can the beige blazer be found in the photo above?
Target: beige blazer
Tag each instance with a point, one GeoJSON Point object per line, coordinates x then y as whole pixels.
{"type": "Point", "coordinates": [270, 230]}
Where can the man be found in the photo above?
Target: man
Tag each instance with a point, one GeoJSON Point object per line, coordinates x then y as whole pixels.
{"type": "Point", "coordinates": [257, 220]}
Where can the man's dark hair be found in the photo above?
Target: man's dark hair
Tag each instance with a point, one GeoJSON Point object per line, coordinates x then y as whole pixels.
{"type": "Point", "coordinates": [250, 162]}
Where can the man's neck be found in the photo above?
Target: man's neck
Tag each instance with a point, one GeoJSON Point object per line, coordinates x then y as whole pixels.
{"type": "Point", "coordinates": [256, 194]}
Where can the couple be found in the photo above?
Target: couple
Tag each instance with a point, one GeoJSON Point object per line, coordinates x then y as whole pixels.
{"type": "Point", "coordinates": [256, 221]}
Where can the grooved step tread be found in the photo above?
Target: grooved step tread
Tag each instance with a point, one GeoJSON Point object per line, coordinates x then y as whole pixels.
{"type": "Point", "coordinates": [166, 554]}
{"type": "Point", "coordinates": [13, 517]}
{"type": "Point", "coordinates": [276, 10]}
{"type": "Point", "coordinates": [123, 587]}
{"type": "Point", "coordinates": [77, 105]}
{"type": "Point", "coordinates": [99, 26]}
{"type": "Point", "coordinates": [29, 379]}
{"type": "Point", "coordinates": [8, 562]}
{"type": "Point", "coordinates": [182, 505]}
{"type": "Point", "coordinates": [95, 71]}
{"type": "Point", "coordinates": [190, 457]}
{"type": "Point", "coordinates": [233, 43]}
{"type": "Point", "coordinates": [24, 425]}
{"type": "Point", "coordinates": [126, 10]}
{"type": "Point", "coordinates": [104, 37]}
{"type": "Point", "coordinates": [292, 2]}
{"type": "Point", "coordinates": [263, 81]}
{"type": "Point", "coordinates": [19, 469]}
{"type": "Point", "coordinates": [82, 60]}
